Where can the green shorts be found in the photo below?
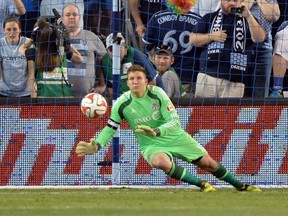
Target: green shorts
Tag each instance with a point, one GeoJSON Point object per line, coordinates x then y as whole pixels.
{"type": "Point", "coordinates": [185, 148]}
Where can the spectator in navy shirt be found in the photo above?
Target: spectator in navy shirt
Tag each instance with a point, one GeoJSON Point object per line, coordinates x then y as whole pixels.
{"type": "Point", "coordinates": [228, 39]}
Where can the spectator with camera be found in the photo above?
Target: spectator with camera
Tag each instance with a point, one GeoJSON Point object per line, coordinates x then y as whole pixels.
{"type": "Point", "coordinates": [10, 8]}
{"type": "Point", "coordinates": [14, 77]}
{"type": "Point", "coordinates": [47, 53]}
{"type": "Point", "coordinates": [229, 40]}
{"type": "Point", "coordinates": [83, 76]}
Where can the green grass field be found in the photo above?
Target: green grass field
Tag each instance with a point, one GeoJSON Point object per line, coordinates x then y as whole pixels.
{"type": "Point", "coordinates": [134, 202]}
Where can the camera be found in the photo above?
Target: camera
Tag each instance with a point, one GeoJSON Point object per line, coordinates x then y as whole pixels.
{"type": "Point", "coordinates": [238, 10]}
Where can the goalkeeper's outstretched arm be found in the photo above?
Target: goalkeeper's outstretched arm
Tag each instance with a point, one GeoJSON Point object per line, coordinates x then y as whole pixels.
{"type": "Point", "coordinates": [84, 148]}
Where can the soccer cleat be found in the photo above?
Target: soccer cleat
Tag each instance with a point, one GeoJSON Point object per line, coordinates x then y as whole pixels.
{"type": "Point", "coordinates": [206, 187]}
{"type": "Point", "coordinates": [276, 94]}
{"type": "Point", "coordinates": [249, 188]}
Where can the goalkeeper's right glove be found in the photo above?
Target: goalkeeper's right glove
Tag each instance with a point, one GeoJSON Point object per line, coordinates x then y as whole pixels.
{"type": "Point", "coordinates": [84, 148]}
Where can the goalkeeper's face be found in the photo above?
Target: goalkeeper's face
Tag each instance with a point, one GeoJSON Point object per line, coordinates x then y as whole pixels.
{"type": "Point", "coordinates": [137, 83]}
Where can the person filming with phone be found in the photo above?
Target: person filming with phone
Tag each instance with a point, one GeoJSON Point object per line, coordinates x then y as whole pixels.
{"type": "Point", "coordinates": [228, 36]}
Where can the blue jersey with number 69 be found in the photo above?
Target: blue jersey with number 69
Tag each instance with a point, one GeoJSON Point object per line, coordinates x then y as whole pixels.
{"type": "Point", "coordinates": [166, 27]}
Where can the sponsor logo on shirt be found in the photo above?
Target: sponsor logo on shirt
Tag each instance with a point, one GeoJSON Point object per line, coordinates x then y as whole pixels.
{"type": "Point", "coordinates": [13, 58]}
{"type": "Point", "coordinates": [154, 106]}
{"type": "Point", "coordinates": [144, 119]}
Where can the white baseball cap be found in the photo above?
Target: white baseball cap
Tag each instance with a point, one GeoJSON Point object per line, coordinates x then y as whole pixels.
{"type": "Point", "coordinates": [110, 39]}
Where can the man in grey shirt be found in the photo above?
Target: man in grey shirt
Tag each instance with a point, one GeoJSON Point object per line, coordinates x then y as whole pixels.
{"type": "Point", "coordinates": [46, 7]}
{"type": "Point", "coordinates": [82, 76]}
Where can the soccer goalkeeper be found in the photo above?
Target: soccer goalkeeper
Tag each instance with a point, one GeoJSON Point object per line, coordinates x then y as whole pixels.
{"type": "Point", "coordinates": [152, 116]}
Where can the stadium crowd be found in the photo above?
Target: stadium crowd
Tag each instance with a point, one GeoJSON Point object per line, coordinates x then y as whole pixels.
{"type": "Point", "coordinates": [210, 48]}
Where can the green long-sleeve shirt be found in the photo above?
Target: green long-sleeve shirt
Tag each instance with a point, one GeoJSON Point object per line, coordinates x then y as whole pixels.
{"type": "Point", "coordinates": [154, 109]}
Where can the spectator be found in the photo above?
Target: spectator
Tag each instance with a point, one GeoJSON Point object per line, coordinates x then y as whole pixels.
{"type": "Point", "coordinates": [280, 59]}
{"type": "Point", "coordinates": [266, 12]}
{"type": "Point", "coordinates": [14, 77]}
{"type": "Point", "coordinates": [99, 16]}
{"type": "Point", "coordinates": [129, 56]}
{"type": "Point", "coordinates": [30, 18]}
{"type": "Point", "coordinates": [82, 76]}
{"type": "Point", "coordinates": [50, 58]}
{"type": "Point", "coordinates": [10, 8]}
{"type": "Point", "coordinates": [228, 38]}
{"type": "Point", "coordinates": [143, 10]}
{"type": "Point", "coordinates": [46, 7]}
{"type": "Point", "coordinates": [163, 59]}
{"type": "Point", "coordinates": [173, 28]}
{"type": "Point", "coordinates": [283, 6]}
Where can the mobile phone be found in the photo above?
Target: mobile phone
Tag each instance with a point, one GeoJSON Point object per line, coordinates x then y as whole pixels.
{"type": "Point", "coordinates": [235, 10]}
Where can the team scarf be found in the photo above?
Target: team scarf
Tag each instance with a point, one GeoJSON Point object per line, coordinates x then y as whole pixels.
{"type": "Point", "coordinates": [238, 58]}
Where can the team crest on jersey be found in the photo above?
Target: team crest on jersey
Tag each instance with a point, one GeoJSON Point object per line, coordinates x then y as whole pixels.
{"type": "Point", "coordinates": [170, 107]}
{"type": "Point", "coordinates": [155, 106]}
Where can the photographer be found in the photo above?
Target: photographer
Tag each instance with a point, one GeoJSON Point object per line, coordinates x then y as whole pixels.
{"type": "Point", "coordinates": [49, 49]}
{"type": "Point", "coordinates": [228, 36]}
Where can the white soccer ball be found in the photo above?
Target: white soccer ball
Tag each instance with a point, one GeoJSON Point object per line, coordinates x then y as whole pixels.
{"type": "Point", "coordinates": [94, 105]}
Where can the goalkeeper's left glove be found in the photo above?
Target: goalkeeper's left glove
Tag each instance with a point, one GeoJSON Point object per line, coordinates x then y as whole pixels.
{"type": "Point", "coordinates": [146, 130]}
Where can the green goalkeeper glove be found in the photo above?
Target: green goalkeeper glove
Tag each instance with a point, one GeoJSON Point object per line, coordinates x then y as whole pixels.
{"type": "Point", "coordinates": [146, 130]}
{"type": "Point", "coordinates": [84, 148]}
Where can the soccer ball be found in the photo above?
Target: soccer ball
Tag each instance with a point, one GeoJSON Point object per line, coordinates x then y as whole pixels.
{"type": "Point", "coordinates": [94, 105]}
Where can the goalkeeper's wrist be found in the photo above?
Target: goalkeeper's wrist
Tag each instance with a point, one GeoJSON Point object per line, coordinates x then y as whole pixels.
{"type": "Point", "coordinates": [157, 131]}
{"type": "Point", "coordinates": [98, 146]}
{"type": "Point", "coordinates": [95, 145]}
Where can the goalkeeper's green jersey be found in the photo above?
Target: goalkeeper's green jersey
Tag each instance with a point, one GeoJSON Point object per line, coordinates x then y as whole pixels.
{"type": "Point", "coordinates": [154, 109]}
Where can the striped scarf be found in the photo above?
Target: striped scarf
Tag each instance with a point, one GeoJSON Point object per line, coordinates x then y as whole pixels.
{"type": "Point", "coordinates": [238, 58]}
